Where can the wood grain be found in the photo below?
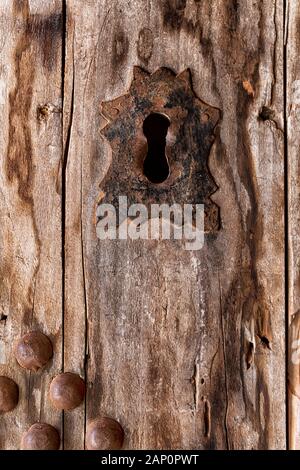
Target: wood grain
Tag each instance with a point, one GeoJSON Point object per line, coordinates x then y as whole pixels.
{"type": "Point", "coordinates": [75, 325]}
{"type": "Point", "coordinates": [30, 201]}
{"type": "Point", "coordinates": [185, 349]}
{"type": "Point", "coordinates": [292, 41]}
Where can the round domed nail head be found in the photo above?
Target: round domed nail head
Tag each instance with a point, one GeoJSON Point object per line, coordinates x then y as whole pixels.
{"type": "Point", "coordinates": [33, 350]}
{"type": "Point", "coordinates": [41, 436]}
{"type": "Point", "coordinates": [9, 394]}
{"type": "Point", "coordinates": [67, 391]}
{"type": "Point", "coordinates": [104, 434]}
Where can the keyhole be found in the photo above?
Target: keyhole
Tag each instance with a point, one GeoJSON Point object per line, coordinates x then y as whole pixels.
{"type": "Point", "coordinates": [156, 166]}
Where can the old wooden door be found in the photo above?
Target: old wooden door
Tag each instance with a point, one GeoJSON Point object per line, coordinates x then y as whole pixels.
{"type": "Point", "coordinates": [185, 349]}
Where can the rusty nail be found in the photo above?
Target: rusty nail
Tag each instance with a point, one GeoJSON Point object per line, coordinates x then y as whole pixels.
{"type": "Point", "coordinates": [33, 350]}
{"type": "Point", "coordinates": [67, 391]}
{"type": "Point", "coordinates": [104, 434]}
{"type": "Point", "coordinates": [9, 394]}
{"type": "Point", "coordinates": [41, 436]}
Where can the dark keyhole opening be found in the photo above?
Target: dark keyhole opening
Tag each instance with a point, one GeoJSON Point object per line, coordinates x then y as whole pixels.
{"type": "Point", "coordinates": [156, 166]}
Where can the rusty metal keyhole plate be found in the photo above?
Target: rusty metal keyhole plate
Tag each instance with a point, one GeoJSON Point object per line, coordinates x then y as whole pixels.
{"type": "Point", "coordinates": [188, 143]}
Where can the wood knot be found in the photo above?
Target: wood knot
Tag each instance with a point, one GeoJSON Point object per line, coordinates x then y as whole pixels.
{"type": "Point", "coordinates": [266, 114]}
{"type": "Point", "coordinates": [44, 111]}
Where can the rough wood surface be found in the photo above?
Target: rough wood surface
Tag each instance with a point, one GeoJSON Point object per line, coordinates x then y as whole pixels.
{"type": "Point", "coordinates": [183, 348]}
{"type": "Point", "coordinates": [30, 201]}
{"type": "Point", "coordinates": [292, 41]}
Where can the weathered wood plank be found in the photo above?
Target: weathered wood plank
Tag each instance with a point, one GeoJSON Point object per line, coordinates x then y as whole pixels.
{"type": "Point", "coordinates": [292, 41]}
{"type": "Point", "coordinates": [185, 349]}
{"type": "Point", "coordinates": [74, 304]}
{"type": "Point", "coordinates": [30, 201]}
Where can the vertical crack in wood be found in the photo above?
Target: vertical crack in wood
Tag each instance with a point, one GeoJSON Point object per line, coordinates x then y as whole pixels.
{"type": "Point", "coordinates": [250, 354]}
{"type": "Point", "coordinates": [29, 391]}
{"type": "Point", "coordinates": [85, 307]}
{"type": "Point", "coordinates": [212, 362]}
{"type": "Point", "coordinates": [274, 62]}
{"type": "Point", "coordinates": [225, 363]}
{"type": "Point", "coordinates": [207, 418]}
{"type": "Point", "coordinates": [286, 211]}
{"type": "Point", "coordinates": [85, 365]}
{"type": "Point", "coordinates": [195, 382]}
{"type": "Point", "coordinates": [82, 253]}
{"type": "Point", "coordinates": [66, 148]}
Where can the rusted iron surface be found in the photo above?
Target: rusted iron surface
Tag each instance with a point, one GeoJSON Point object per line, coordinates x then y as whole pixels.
{"type": "Point", "coordinates": [189, 139]}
